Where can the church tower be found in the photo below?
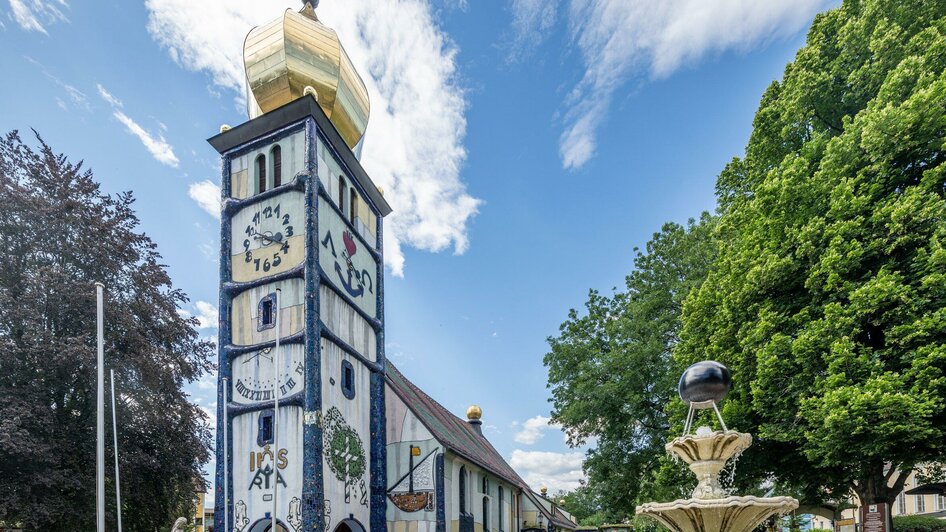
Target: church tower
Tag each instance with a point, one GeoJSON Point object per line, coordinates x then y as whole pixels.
{"type": "Point", "coordinates": [300, 417]}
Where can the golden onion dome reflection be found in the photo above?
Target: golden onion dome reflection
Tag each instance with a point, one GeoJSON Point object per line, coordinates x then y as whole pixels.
{"type": "Point", "coordinates": [296, 55]}
{"type": "Point", "coordinates": [474, 413]}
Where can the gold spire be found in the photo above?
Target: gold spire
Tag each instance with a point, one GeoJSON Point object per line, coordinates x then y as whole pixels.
{"type": "Point", "coordinates": [474, 413]}
{"type": "Point", "coordinates": [296, 55]}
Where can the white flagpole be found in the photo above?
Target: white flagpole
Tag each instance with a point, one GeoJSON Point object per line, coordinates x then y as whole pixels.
{"type": "Point", "coordinates": [226, 456]}
{"type": "Point", "coordinates": [276, 308]}
{"type": "Point", "coordinates": [100, 411]}
{"type": "Point", "coordinates": [118, 489]}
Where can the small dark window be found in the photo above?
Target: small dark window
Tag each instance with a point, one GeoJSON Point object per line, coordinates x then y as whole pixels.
{"type": "Point", "coordinates": [264, 436]}
{"type": "Point", "coordinates": [341, 193]}
{"type": "Point", "coordinates": [501, 497]}
{"type": "Point", "coordinates": [348, 379]}
{"type": "Point", "coordinates": [261, 172]}
{"type": "Point", "coordinates": [462, 490]}
{"type": "Point", "coordinates": [277, 165]}
{"type": "Point", "coordinates": [353, 211]}
{"type": "Point", "coordinates": [267, 313]}
{"type": "Point", "coordinates": [485, 513]}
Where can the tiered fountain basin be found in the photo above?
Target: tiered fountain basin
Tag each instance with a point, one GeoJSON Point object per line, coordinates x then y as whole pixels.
{"type": "Point", "coordinates": [711, 508]}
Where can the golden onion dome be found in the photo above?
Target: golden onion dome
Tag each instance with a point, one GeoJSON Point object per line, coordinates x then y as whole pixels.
{"type": "Point", "coordinates": [474, 413]}
{"type": "Point", "coordinates": [296, 55]}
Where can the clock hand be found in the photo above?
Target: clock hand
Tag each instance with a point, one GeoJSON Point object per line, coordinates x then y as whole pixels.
{"type": "Point", "coordinates": [269, 239]}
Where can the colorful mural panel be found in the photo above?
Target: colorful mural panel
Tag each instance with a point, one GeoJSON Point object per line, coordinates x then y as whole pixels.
{"type": "Point", "coordinates": [262, 469]}
{"type": "Point", "coordinates": [347, 263]}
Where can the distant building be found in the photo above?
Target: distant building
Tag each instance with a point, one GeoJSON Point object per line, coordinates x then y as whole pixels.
{"type": "Point", "coordinates": [849, 520]}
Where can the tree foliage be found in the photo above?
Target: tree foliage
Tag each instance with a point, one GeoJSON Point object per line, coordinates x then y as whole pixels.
{"type": "Point", "coordinates": [828, 296]}
{"type": "Point", "coordinates": [611, 372]}
{"type": "Point", "coordinates": [59, 235]}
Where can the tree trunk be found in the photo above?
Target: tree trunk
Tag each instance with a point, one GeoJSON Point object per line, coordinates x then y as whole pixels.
{"type": "Point", "coordinates": [878, 492]}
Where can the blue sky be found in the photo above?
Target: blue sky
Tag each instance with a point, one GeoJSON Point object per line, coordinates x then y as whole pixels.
{"type": "Point", "coordinates": [527, 147]}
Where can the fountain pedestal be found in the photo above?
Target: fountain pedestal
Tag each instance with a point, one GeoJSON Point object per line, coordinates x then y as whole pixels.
{"type": "Point", "coordinates": [711, 508]}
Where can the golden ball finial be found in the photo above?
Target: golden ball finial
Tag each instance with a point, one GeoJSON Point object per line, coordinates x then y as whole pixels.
{"type": "Point", "coordinates": [544, 491]}
{"type": "Point", "coordinates": [474, 413]}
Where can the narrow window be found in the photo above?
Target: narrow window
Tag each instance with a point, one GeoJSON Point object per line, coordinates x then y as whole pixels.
{"type": "Point", "coordinates": [485, 503]}
{"type": "Point", "coordinates": [920, 504]}
{"type": "Point", "coordinates": [353, 211]}
{"type": "Point", "coordinates": [501, 497]}
{"type": "Point", "coordinates": [348, 379]}
{"type": "Point", "coordinates": [462, 490]}
{"type": "Point", "coordinates": [941, 502]}
{"type": "Point", "coordinates": [277, 165]}
{"type": "Point", "coordinates": [261, 172]}
{"type": "Point", "coordinates": [901, 504]}
{"type": "Point", "coordinates": [341, 193]}
{"type": "Point", "coordinates": [264, 434]}
{"type": "Point", "coordinates": [266, 318]}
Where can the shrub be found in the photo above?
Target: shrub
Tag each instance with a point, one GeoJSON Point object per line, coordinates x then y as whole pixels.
{"type": "Point", "coordinates": [918, 523]}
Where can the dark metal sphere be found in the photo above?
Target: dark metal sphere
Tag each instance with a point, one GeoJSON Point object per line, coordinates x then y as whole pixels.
{"type": "Point", "coordinates": [704, 381]}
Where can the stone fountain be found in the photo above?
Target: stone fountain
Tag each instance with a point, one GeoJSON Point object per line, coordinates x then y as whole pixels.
{"type": "Point", "coordinates": [711, 508]}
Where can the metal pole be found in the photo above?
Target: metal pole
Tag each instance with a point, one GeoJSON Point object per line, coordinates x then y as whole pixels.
{"type": "Point", "coordinates": [276, 405]}
{"type": "Point", "coordinates": [100, 411]}
{"type": "Point", "coordinates": [226, 456]}
{"type": "Point", "coordinates": [118, 489]}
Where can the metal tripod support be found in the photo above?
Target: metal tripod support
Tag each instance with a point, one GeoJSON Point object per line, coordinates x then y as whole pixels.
{"type": "Point", "coordinates": [702, 405]}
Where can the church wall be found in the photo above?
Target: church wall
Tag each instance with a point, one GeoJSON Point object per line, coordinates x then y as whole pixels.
{"type": "Point", "coordinates": [410, 443]}
{"type": "Point", "coordinates": [475, 495]}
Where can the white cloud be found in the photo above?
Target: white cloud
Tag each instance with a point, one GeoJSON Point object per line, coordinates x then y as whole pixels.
{"type": "Point", "coordinates": [532, 22]}
{"type": "Point", "coordinates": [556, 471]}
{"type": "Point", "coordinates": [32, 14]}
{"type": "Point", "coordinates": [207, 315]}
{"type": "Point", "coordinates": [156, 145]}
{"type": "Point", "coordinates": [207, 194]}
{"type": "Point", "coordinates": [107, 96]}
{"type": "Point", "coordinates": [77, 97]}
{"type": "Point", "coordinates": [414, 143]}
{"type": "Point", "coordinates": [621, 39]}
{"type": "Point", "coordinates": [534, 429]}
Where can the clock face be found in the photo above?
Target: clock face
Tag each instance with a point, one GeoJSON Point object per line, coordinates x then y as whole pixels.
{"type": "Point", "coordinates": [253, 376]}
{"type": "Point", "coordinates": [267, 238]}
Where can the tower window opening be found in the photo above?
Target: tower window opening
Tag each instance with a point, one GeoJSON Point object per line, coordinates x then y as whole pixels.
{"type": "Point", "coordinates": [462, 489]}
{"type": "Point", "coordinates": [261, 172]}
{"type": "Point", "coordinates": [348, 379]}
{"type": "Point", "coordinates": [501, 497]}
{"type": "Point", "coordinates": [277, 165]}
{"type": "Point", "coordinates": [353, 211]}
{"type": "Point", "coordinates": [485, 513]}
{"type": "Point", "coordinates": [264, 435]}
{"type": "Point", "coordinates": [267, 313]}
{"type": "Point", "coordinates": [341, 193]}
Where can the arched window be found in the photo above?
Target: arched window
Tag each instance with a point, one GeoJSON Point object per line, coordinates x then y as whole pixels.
{"type": "Point", "coordinates": [501, 497]}
{"type": "Point", "coordinates": [276, 155]}
{"type": "Point", "coordinates": [341, 193]}
{"type": "Point", "coordinates": [261, 172]}
{"type": "Point", "coordinates": [353, 211]}
{"type": "Point", "coordinates": [462, 490]}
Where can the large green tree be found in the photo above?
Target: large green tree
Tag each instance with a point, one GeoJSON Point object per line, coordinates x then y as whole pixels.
{"type": "Point", "coordinates": [828, 295]}
{"type": "Point", "coordinates": [59, 235]}
{"type": "Point", "coordinates": [611, 372]}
